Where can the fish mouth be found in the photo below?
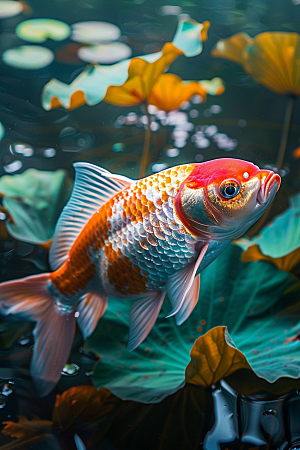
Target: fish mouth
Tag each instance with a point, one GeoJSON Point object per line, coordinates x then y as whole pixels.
{"type": "Point", "coordinates": [270, 183]}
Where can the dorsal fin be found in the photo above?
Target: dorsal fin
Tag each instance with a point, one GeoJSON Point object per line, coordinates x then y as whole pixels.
{"type": "Point", "coordinates": [93, 187]}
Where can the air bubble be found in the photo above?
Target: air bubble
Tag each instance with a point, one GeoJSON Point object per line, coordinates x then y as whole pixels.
{"type": "Point", "coordinates": [173, 152]}
{"type": "Point", "coordinates": [70, 370]}
{"type": "Point", "coordinates": [49, 152]}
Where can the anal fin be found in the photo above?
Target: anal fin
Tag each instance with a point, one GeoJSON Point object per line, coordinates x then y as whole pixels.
{"type": "Point", "coordinates": [143, 315]}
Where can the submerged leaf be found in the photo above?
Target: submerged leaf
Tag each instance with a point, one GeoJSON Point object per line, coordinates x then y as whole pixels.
{"type": "Point", "coordinates": [257, 302]}
{"type": "Point", "coordinates": [34, 199]}
{"type": "Point", "coordinates": [25, 428]}
{"type": "Point", "coordinates": [279, 241]}
{"type": "Point", "coordinates": [84, 403]}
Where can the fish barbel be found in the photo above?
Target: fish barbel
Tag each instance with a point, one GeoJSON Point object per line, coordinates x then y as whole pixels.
{"type": "Point", "coordinates": [135, 240]}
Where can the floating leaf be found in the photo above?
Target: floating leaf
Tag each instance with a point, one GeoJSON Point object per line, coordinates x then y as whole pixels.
{"type": "Point", "coordinates": [271, 58]}
{"type": "Point", "coordinates": [34, 200]}
{"type": "Point", "coordinates": [39, 30]}
{"type": "Point", "coordinates": [256, 301]}
{"type": "Point", "coordinates": [92, 32]}
{"type": "Point", "coordinates": [31, 57]}
{"type": "Point", "coordinates": [128, 82]}
{"type": "Point", "coordinates": [105, 53]}
{"type": "Point", "coordinates": [10, 8]}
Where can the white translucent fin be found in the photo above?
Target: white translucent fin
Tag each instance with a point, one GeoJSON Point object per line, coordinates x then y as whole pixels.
{"type": "Point", "coordinates": [181, 282]}
{"type": "Point", "coordinates": [91, 308]}
{"type": "Point", "coordinates": [53, 338]}
{"type": "Point", "coordinates": [142, 317]}
{"type": "Point", "coordinates": [93, 187]}
{"type": "Point", "coordinates": [53, 334]}
{"type": "Point", "coordinates": [190, 301]}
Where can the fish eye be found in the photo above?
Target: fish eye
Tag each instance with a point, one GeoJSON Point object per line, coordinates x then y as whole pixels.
{"type": "Point", "coordinates": [229, 189]}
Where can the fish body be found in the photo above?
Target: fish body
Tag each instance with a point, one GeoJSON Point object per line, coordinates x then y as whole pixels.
{"type": "Point", "coordinates": [137, 240]}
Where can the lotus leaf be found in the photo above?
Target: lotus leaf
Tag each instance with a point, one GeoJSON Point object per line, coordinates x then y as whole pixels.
{"type": "Point", "coordinates": [169, 91]}
{"type": "Point", "coordinates": [258, 303]}
{"type": "Point", "coordinates": [128, 82]}
{"type": "Point", "coordinates": [34, 200]}
{"type": "Point", "coordinates": [271, 58]}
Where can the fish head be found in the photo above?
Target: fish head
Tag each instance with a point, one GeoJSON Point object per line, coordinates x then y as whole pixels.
{"type": "Point", "coordinates": [223, 198]}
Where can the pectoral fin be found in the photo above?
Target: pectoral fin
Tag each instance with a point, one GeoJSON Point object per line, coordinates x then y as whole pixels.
{"type": "Point", "coordinates": [190, 302]}
{"type": "Point", "coordinates": [143, 315]}
{"type": "Point", "coordinates": [181, 282]}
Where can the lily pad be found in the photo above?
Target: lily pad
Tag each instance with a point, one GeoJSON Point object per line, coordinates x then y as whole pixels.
{"type": "Point", "coordinates": [10, 8]}
{"type": "Point", "coordinates": [105, 53]}
{"type": "Point", "coordinates": [39, 30]}
{"type": "Point", "coordinates": [34, 200]}
{"type": "Point", "coordinates": [29, 57]}
{"type": "Point", "coordinates": [92, 32]}
{"type": "Point", "coordinates": [258, 303]}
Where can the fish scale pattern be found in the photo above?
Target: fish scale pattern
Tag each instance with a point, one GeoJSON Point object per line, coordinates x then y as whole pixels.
{"type": "Point", "coordinates": [144, 229]}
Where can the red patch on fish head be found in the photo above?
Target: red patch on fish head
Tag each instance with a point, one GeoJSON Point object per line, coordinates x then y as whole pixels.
{"type": "Point", "coordinates": [222, 196]}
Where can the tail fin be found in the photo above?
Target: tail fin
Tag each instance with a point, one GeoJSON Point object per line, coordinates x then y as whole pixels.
{"type": "Point", "coordinates": [53, 334]}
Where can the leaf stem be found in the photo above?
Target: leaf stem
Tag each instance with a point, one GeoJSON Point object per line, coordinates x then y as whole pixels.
{"type": "Point", "coordinates": [285, 131]}
{"type": "Point", "coordinates": [145, 155]}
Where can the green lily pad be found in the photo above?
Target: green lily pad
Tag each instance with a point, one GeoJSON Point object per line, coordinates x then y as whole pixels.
{"type": "Point", "coordinates": [39, 30]}
{"type": "Point", "coordinates": [35, 199]}
{"type": "Point", "coordinates": [256, 301]}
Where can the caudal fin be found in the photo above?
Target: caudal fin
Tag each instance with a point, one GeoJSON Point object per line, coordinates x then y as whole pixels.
{"type": "Point", "coordinates": [29, 299]}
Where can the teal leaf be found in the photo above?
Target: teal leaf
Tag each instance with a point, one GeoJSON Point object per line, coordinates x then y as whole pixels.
{"type": "Point", "coordinates": [256, 301]}
{"type": "Point", "coordinates": [2, 131]}
{"type": "Point", "coordinates": [280, 237]}
{"type": "Point", "coordinates": [35, 199]}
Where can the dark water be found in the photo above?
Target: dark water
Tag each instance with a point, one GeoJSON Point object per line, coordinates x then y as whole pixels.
{"type": "Point", "coordinates": [251, 118]}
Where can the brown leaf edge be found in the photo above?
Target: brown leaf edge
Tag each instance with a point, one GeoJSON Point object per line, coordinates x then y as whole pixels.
{"type": "Point", "coordinates": [214, 357]}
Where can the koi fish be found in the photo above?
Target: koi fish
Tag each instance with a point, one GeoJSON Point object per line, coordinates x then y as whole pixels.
{"type": "Point", "coordinates": [139, 240]}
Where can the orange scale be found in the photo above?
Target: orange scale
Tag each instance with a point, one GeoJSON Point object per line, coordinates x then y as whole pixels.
{"type": "Point", "coordinates": [145, 210]}
{"type": "Point", "coordinates": [144, 200]}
